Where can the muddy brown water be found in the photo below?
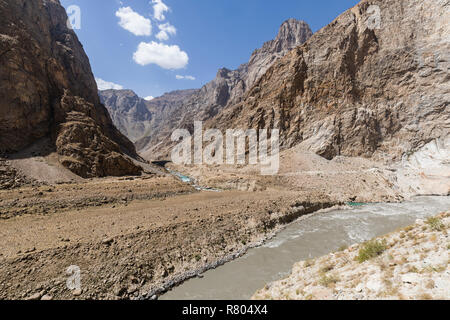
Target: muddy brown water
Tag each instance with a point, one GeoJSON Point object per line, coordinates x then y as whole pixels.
{"type": "Point", "coordinates": [309, 237]}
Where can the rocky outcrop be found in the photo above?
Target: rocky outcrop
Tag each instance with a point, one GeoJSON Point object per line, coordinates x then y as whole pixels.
{"type": "Point", "coordinates": [365, 85]}
{"type": "Point", "coordinates": [227, 88]}
{"type": "Point", "coordinates": [427, 170]}
{"type": "Point", "coordinates": [48, 90]}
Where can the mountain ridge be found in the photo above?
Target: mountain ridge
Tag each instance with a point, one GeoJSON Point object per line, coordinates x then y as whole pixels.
{"type": "Point", "coordinates": [227, 88]}
{"type": "Point", "coordinates": [357, 91]}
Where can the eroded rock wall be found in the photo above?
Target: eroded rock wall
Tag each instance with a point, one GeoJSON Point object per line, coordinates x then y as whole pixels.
{"type": "Point", "coordinates": [357, 88]}
{"type": "Point", "coordinates": [47, 89]}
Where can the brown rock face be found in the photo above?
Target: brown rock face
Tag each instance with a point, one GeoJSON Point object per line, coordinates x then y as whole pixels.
{"type": "Point", "coordinates": [227, 88]}
{"type": "Point", "coordinates": [47, 90]}
{"type": "Point", "coordinates": [357, 88]}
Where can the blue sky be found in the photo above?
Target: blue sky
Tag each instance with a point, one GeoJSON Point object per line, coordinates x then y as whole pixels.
{"type": "Point", "coordinates": [125, 45]}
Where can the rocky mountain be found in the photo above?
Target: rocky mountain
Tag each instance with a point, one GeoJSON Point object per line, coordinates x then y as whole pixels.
{"type": "Point", "coordinates": [374, 82]}
{"type": "Point", "coordinates": [128, 112]}
{"type": "Point", "coordinates": [166, 114]}
{"type": "Point", "coordinates": [291, 34]}
{"type": "Point", "coordinates": [48, 91]}
{"type": "Point", "coordinates": [137, 118]}
{"type": "Point", "coordinates": [227, 88]}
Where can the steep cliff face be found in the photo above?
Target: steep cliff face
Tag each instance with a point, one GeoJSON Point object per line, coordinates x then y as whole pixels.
{"type": "Point", "coordinates": [227, 88]}
{"type": "Point", "coordinates": [358, 88]}
{"type": "Point", "coordinates": [47, 90]}
{"type": "Point", "coordinates": [292, 33]}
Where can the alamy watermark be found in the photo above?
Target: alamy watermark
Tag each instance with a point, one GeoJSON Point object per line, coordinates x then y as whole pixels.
{"type": "Point", "coordinates": [231, 150]}
{"type": "Point", "coordinates": [74, 280]}
{"type": "Point", "coordinates": [374, 17]}
{"type": "Point", "coordinates": [74, 17]}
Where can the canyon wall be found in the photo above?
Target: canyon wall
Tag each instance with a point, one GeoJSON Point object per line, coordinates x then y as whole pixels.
{"type": "Point", "coordinates": [47, 90]}
{"type": "Point", "coordinates": [374, 82]}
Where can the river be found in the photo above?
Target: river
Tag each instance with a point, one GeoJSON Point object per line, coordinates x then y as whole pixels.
{"type": "Point", "coordinates": [309, 237]}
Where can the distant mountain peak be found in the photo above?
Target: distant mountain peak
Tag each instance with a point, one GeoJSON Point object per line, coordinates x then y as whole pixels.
{"type": "Point", "coordinates": [291, 33]}
{"type": "Point", "coordinates": [229, 86]}
{"type": "Point", "coordinates": [298, 28]}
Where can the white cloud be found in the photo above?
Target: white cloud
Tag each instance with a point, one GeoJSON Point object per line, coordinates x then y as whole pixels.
{"type": "Point", "coordinates": [184, 77]}
{"type": "Point", "coordinates": [162, 36]}
{"type": "Point", "coordinates": [105, 85]}
{"type": "Point", "coordinates": [134, 22]}
{"type": "Point", "coordinates": [159, 9]}
{"type": "Point", "coordinates": [149, 98]}
{"type": "Point", "coordinates": [166, 29]}
{"type": "Point", "coordinates": [167, 57]}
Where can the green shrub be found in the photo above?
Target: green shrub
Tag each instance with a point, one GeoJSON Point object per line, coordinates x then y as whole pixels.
{"type": "Point", "coordinates": [371, 249]}
{"type": "Point", "coordinates": [326, 281]}
{"type": "Point", "coordinates": [435, 224]}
